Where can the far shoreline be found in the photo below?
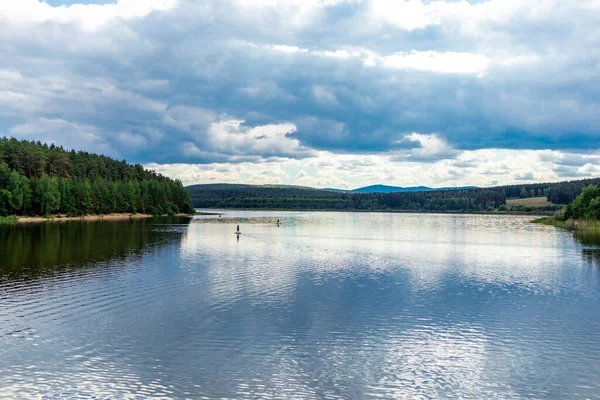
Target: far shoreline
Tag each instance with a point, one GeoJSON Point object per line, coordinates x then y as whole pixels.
{"type": "Point", "coordinates": [525, 213]}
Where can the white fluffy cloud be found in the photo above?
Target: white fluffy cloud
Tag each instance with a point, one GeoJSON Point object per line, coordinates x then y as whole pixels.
{"type": "Point", "coordinates": [88, 16]}
{"type": "Point", "coordinates": [448, 62]}
{"type": "Point", "coordinates": [480, 168]}
{"type": "Point", "coordinates": [231, 137]}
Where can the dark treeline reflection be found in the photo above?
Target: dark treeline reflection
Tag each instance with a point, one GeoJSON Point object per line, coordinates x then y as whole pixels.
{"type": "Point", "coordinates": [34, 250]}
{"type": "Point", "coordinates": [591, 240]}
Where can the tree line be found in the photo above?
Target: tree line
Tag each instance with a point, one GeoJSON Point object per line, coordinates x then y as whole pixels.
{"type": "Point", "coordinates": [295, 197]}
{"type": "Point", "coordinates": [585, 206]}
{"type": "Point", "coordinates": [41, 179]}
{"type": "Point", "coordinates": [557, 192]}
{"type": "Point", "coordinates": [463, 199]}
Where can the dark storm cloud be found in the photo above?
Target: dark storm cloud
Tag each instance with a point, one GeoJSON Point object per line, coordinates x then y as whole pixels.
{"type": "Point", "coordinates": [159, 87]}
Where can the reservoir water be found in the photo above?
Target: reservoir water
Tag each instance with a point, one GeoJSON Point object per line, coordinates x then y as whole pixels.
{"type": "Point", "coordinates": [325, 306]}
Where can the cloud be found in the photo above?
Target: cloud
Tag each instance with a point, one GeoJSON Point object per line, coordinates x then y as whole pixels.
{"type": "Point", "coordinates": [448, 62]}
{"type": "Point", "coordinates": [585, 171]}
{"type": "Point", "coordinates": [89, 16]}
{"type": "Point", "coordinates": [563, 171]}
{"type": "Point", "coordinates": [287, 49]}
{"type": "Point", "coordinates": [189, 119]}
{"type": "Point", "coordinates": [301, 174]}
{"type": "Point", "coordinates": [64, 133]}
{"type": "Point", "coordinates": [430, 148]}
{"type": "Point", "coordinates": [527, 176]}
{"type": "Point", "coordinates": [421, 84]}
{"type": "Point", "coordinates": [273, 140]}
{"type": "Point", "coordinates": [349, 171]}
{"type": "Point", "coordinates": [570, 159]}
{"type": "Point", "coordinates": [231, 140]}
{"type": "Point", "coordinates": [266, 90]}
{"type": "Point", "coordinates": [324, 96]}
{"type": "Point", "coordinates": [132, 140]}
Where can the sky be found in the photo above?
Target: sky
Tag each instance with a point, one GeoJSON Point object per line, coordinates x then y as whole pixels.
{"type": "Point", "coordinates": [322, 93]}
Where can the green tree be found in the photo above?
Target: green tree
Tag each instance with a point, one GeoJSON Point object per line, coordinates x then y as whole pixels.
{"type": "Point", "coordinates": [523, 193]}
{"type": "Point", "coordinates": [67, 196]}
{"type": "Point", "coordinates": [593, 209]}
{"type": "Point", "coordinates": [46, 196]}
{"type": "Point", "coordinates": [5, 197]}
{"type": "Point", "coordinates": [20, 189]}
{"type": "Point", "coordinates": [83, 197]}
{"type": "Point", "coordinates": [585, 204]}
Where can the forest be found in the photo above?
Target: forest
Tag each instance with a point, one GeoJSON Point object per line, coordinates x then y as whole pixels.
{"type": "Point", "coordinates": [463, 199]}
{"type": "Point", "coordinates": [296, 197]}
{"type": "Point", "coordinates": [41, 179]}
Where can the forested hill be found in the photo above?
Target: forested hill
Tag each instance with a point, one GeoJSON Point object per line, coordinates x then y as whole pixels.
{"type": "Point", "coordinates": [461, 199]}
{"type": "Point", "coordinates": [297, 197]}
{"type": "Point", "coordinates": [41, 179]}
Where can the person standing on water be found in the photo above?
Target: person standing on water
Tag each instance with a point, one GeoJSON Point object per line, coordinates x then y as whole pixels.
{"type": "Point", "coordinates": [238, 228]}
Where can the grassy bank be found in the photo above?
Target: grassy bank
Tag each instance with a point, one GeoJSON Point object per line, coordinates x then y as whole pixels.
{"type": "Point", "coordinates": [579, 224]}
{"type": "Point", "coordinates": [550, 221]}
{"type": "Point", "coordinates": [8, 220]}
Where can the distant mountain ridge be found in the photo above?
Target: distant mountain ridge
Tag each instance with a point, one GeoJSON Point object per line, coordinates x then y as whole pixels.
{"type": "Point", "coordinates": [396, 189]}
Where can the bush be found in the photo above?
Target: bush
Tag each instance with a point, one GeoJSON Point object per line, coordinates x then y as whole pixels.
{"type": "Point", "coordinates": [586, 205]}
{"type": "Point", "coordinates": [560, 215]}
{"type": "Point", "coordinates": [8, 220]}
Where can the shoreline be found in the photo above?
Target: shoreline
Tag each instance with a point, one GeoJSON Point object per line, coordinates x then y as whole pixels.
{"type": "Point", "coordinates": [571, 224]}
{"type": "Point", "coordinates": [532, 213]}
{"type": "Point", "coordinates": [129, 216]}
{"type": "Point", "coordinates": [91, 217]}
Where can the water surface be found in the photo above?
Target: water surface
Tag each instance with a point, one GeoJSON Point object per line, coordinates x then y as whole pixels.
{"type": "Point", "coordinates": [327, 305]}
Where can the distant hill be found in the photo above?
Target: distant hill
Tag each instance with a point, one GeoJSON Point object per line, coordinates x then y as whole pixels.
{"type": "Point", "coordinates": [396, 189]}
{"type": "Point", "coordinates": [295, 188]}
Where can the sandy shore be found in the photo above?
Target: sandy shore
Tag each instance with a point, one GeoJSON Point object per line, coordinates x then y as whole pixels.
{"type": "Point", "coordinates": [105, 217]}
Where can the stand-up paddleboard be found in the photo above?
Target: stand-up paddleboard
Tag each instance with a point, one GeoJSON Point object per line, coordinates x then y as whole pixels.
{"type": "Point", "coordinates": [237, 232]}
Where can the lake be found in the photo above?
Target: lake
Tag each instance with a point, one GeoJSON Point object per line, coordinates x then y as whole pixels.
{"type": "Point", "coordinates": [325, 306]}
